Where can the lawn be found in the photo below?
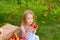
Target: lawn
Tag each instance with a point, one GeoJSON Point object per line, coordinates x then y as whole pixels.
{"type": "Point", "coordinates": [50, 32]}
{"type": "Point", "coordinates": [47, 13]}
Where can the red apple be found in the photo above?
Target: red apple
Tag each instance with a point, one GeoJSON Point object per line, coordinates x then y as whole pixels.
{"type": "Point", "coordinates": [0, 32]}
{"type": "Point", "coordinates": [35, 26]}
{"type": "Point", "coordinates": [21, 38]}
{"type": "Point", "coordinates": [14, 38]}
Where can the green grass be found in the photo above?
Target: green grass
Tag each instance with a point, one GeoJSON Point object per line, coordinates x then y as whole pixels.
{"type": "Point", "coordinates": [50, 32]}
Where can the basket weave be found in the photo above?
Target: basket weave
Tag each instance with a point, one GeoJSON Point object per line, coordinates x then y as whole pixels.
{"type": "Point", "coordinates": [9, 30]}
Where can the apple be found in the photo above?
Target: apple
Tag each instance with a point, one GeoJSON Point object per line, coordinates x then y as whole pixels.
{"type": "Point", "coordinates": [14, 38]}
{"type": "Point", "coordinates": [0, 32]}
{"type": "Point", "coordinates": [35, 26]}
{"type": "Point", "coordinates": [21, 38]}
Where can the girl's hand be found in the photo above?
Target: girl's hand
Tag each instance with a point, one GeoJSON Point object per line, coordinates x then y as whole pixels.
{"type": "Point", "coordinates": [34, 28]}
{"type": "Point", "coordinates": [31, 28]}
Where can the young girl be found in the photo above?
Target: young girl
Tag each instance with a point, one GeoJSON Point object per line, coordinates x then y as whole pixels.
{"type": "Point", "coordinates": [29, 26]}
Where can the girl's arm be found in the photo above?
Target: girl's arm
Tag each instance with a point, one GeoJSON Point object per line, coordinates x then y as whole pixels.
{"type": "Point", "coordinates": [35, 30]}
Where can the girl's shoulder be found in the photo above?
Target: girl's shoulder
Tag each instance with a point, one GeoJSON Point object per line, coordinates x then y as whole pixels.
{"type": "Point", "coordinates": [22, 27]}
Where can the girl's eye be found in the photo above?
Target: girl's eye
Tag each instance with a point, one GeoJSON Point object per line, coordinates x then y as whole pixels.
{"type": "Point", "coordinates": [29, 18]}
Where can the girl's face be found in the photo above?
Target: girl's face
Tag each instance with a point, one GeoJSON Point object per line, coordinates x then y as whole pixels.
{"type": "Point", "coordinates": [29, 19]}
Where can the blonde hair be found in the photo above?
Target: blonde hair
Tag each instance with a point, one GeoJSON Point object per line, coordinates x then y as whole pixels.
{"type": "Point", "coordinates": [24, 22]}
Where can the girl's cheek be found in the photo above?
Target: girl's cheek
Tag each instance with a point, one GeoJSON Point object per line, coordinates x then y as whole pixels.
{"type": "Point", "coordinates": [27, 21]}
{"type": "Point", "coordinates": [32, 20]}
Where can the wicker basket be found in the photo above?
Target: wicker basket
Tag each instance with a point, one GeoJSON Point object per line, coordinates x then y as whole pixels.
{"type": "Point", "coordinates": [9, 30]}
